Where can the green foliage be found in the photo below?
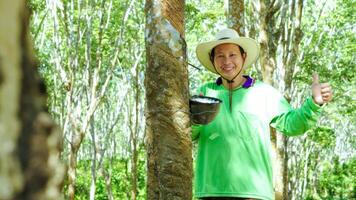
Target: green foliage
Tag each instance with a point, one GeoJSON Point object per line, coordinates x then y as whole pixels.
{"type": "Point", "coordinates": [323, 136]}
{"type": "Point", "coordinates": [336, 181]}
{"type": "Point", "coordinates": [120, 179]}
{"type": "Point", "coordinates": [329, 47]}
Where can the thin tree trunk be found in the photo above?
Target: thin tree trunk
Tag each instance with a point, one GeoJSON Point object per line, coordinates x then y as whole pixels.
{"type": "Point", "coordinates": [291, 52]}
{"type": "Point", "coordinates": [293, 48]}
{"type": "Point", "coordinates": [128, 177]}
{"type": "Point", "coordinates": [107, 179]}
{"type": "Point", "coordinates": [133, 151]}
{"type": "Point", "coordinates": [285, 168]}
{"type": "Point", "coordinates": [72, 167]}
{"type": "Point", "coordinates": [305, 171]}
{"type": "Point", "coordinates": [167, 120]}
{"type": "Point", "coordinates": [93, 162]}
{"type": "Point", "coordinates": [29, 140]}
{"type": "Point", "coordinates": [134, 128]}
{"type": "Point", "coordinates": [134, 136]}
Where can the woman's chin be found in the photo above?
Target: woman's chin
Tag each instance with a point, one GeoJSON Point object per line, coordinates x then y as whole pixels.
{"type": "Point", "coordinates": [229, 75]}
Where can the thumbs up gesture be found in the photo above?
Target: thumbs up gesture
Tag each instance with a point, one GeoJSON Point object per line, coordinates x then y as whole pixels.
{"type": "Point", "coordinates": [321, 92]}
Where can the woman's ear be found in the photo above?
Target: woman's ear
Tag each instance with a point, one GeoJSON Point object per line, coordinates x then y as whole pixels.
{"type": "Point", "coordinates": [244, 55]}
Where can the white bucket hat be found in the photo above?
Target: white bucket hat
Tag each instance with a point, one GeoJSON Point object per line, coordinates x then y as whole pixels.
{"type": "Point", "coordinates": [249, 45]}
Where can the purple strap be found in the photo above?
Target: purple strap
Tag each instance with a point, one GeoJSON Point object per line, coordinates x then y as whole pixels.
{"type": "Point", "coordinates": [218, 81]}
{"type": "Point", "coordinates": [249, 82]}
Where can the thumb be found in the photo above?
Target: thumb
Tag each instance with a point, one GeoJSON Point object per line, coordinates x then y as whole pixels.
{"type": "Point", "coordinates": [316, 90]}
{"type": "Point", "coordinates": [315, 78]}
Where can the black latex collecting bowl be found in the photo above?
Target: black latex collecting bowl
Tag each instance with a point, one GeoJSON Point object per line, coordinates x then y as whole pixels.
{"type": "Point", "coordinates": [203, 109]}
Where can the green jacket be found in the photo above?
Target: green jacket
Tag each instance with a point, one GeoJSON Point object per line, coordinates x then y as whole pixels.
{"type": "Point", "coordinates": [234, 150]}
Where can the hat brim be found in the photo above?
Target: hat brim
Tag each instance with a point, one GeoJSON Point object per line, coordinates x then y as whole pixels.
{"type": "Point", "coordinates": [249, 45]}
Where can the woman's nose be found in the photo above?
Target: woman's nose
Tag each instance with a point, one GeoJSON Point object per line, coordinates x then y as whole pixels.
{"type": "Point", "coordinates": [226, 60]}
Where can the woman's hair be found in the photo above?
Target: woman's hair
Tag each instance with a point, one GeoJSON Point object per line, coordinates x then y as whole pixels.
{"type": "Point", "coordinates": [212, 53]}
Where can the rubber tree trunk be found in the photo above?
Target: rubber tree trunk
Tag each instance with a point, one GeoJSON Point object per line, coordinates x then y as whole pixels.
{"type": "Point", "coordinates": [29, 140]}
{"type": "Point", "coordinates": [167, 119]}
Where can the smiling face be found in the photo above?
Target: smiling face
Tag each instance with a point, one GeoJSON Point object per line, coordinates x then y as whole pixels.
{"type": "Point", "coordinates": [228, 60]}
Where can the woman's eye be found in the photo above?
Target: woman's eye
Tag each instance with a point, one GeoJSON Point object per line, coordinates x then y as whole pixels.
{"type": "Point", "coordinates": [232, 55]}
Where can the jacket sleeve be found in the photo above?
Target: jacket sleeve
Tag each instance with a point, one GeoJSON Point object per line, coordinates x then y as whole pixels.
{"type": "Point", "coordinates": [297, 121]}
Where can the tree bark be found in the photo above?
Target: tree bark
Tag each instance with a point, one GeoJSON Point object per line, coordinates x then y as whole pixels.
{"type": "Point", "coordinates": [93, 167]}
{"type": "Point", "coordinates": [289, 60]}
{"type": "Point", "coordinates": [269, 37]}
{"type": "Point", "coordinates": [107, 179]}
{"type": "Point", "coordinates": [235, 16]}
{"type": "Point", "coordinates": [292, 50]}
{"type": "Point", "coordinates": [134, 136]}
{"type": "Point", "coordinates": [133, 146]}
{"type": "Point", "coordinates": [30, 141]}
{"type": "Point", "coordinates": [167, 120]}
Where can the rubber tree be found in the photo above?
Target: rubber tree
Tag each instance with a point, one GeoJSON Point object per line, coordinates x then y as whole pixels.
{"type": "Point", "coordinates": [29, 140]}
{"type": "Point", "coordinates": [167, 120]}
